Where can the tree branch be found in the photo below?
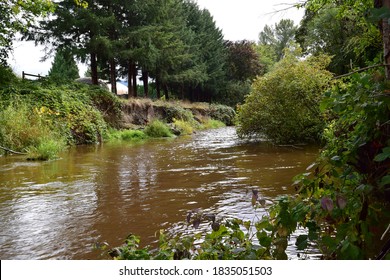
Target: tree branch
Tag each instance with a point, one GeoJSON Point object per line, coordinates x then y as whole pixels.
{"type": "Point", "coordinates": [12, 151]}
{"type": "Point", "coordinates": [360, 70]}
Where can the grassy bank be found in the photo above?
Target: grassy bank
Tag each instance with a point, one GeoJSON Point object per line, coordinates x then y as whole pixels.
{"type": "Point", "coordinates": [40, 120]}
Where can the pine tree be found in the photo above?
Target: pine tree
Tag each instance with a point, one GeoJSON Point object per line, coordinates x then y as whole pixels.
{"type": "Point", "coordinates": [63, 68]}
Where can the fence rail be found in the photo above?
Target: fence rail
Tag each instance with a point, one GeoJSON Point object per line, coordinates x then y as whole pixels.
{"type": "Point", "coordinates": [24, 75]}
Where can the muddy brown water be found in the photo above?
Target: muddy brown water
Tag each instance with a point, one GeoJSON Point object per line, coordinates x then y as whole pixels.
{"type": "Point", "coordinates": [59, 209]}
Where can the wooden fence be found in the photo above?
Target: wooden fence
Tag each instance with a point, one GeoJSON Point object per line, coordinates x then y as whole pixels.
{"type": "Point", "coordinates": [24, 75]}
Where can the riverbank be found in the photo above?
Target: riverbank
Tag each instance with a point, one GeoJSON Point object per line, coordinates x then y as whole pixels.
{"type": "Point", "coordinates": [39, 119]}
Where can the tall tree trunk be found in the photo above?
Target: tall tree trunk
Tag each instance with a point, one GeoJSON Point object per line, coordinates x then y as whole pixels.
{"type": "Point", "coordinates": [94, 72]}
{"type": "Point", "coordinates": [130, 88]}
{"type": "Point", "coordinates": [135, 72]}
{"type": "Point", "coordinates": [158, 87]}
{"type": "Point", "coordinates": [386, 40]}
{"type": "Point", "coordinates": [165, 87]}
{"type": "Point", "coordinates": [113, 76]}
{"type": "Point", "coordinates": [145, 79]}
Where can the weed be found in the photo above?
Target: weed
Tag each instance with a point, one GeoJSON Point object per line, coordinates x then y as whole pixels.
{"type": "Point", "coordinates": [184, 127]}
{"type": "Point", "coordinates": [157, 129]}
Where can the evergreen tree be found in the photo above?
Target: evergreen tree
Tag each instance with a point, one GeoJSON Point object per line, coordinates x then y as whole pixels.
{"type": "Point", "coordinates": [209, 54]}
{"type": "Point", "coordinates": [63, 68]}
{"type": "Point", "coordinates": [81, 29]}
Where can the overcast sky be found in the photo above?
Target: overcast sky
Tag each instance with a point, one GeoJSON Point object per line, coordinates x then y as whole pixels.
{"type": "Point", "coordinates": [238, 20]}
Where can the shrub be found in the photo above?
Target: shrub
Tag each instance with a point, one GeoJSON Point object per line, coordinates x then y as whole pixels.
{"type": "Point", "coordinates": [223, 113]}
{"type": "Point", "coordinates": [131, 135]}
{"type": "Point", "coordinates": [6, 76]}
{"type": "Point", "coordinates": [24, 129]}
{"type": "Point", "coordinates": [30, 111]}
{"type": "Point", "coordinates": [185, 128]}
{"type": "Point", "coordinates": [178, 113]}
{"type": "Point", "coordinates": [158, 129]}
{"type": "Point", "coordinates": [283, 105]}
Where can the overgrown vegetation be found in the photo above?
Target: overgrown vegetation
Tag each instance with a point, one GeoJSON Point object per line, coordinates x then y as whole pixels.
{"type": "Point", "coordinates": [158, 129]}
{"type": "Point", "coordinates": [283, 104]}
{"type": "Point", "coordinates": [41, 119]}
{"type": "Point", "coordinates": [128, 135]}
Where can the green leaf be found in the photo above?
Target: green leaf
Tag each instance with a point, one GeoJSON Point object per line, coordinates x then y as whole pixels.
{"type": "Point", "coordinates": [364, 188]}
{"type": "Point", "coordinates": [385, 180]}
{"type": "Point", "coordinates": [336, 158]}
{"type": "Point", "coordinates": [264, 239]}
{"type": "Point", "coordinates": [384, 155]}
{"type": "Point", "coordinates": [302, 242]}
{"type": "Point", "coordinates": [350, 251]}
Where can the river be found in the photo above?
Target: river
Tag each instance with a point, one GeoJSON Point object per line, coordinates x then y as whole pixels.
{"type": "Point", "coordinates": [59, 209]}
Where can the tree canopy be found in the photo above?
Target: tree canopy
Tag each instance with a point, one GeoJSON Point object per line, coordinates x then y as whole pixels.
{"type": "Point", "coordinates": [175, 43]}
{"type": "Point", "coordinates": [16, 16]}
{"type": "Point", "coordinates": [64, 68]}
{"type": "Point", "coordinates": [278, 37]}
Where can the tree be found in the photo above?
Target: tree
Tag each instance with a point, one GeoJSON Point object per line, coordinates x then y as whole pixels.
{"type": "Point", "coordinates": [283, 104]}
{"type": "Point", "coordinates": [84, 30]}
{"type": "Point", "coordinates": [278, 37]}
{"type": "Point", "coordinates": [243, 61]}
{"type": "Point", "coordinates": [385, 33]}
{"type": "Point", "coordinates": [203, 74]}
{"type": "Point", "coordinates": [63, 68]}
{"type": "Point", "coordinates": [342, 32]}
{"type": "Point", "coordinates": [242, 66]}
{"type": "Point", "coordinates": [16, 16]}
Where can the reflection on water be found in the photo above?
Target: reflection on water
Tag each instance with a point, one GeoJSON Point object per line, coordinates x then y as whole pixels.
{"type": "Point", "coordinates": [58, 209]}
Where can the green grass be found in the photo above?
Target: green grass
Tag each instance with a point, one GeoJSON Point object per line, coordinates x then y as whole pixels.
{"type": "Point", "coordinates": [212, 124]}
{"type": "Point", "coordinates": [47, 149]}
{"type": "Point", "coordinates": [158, 129]}
{"type": "Point", "coordinates": [128, 135]}
{"type": "Point", "coordinates": [184, 127]}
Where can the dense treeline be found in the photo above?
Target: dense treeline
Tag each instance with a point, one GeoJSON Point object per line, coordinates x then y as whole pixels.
{"type": "Point", "coordinates": [174, 43]}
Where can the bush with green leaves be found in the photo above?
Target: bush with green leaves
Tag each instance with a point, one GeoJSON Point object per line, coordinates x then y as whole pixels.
{"type": "Point", "coordinates": [177, 112]}
{"type": "Point", "coordinates": [283, 104]}
{"type": "Point", "coordinates": [183, 127]}
{"type": "Point", "coordinates": [7, 77]}
{"type": "Point", "coordinates": [157, 129]}
{"type": "Point", "coordinates": [346, 193]}
{"type": "Point", "coordinates": [34, 114]}
{"type": "Point", "coordinates": [211, 124]}
{"type": "Point", "coordinates": [223, 113]}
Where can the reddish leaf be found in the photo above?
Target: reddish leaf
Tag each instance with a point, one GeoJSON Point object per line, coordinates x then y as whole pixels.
{"type": "Point", "coordinates": [341, 202]}
{"type": "Point", "coordinates": [327, 203]}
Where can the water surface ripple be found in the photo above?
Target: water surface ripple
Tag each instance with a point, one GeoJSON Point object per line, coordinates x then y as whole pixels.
{"type": "Point", "coordinates": [59, 209]}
